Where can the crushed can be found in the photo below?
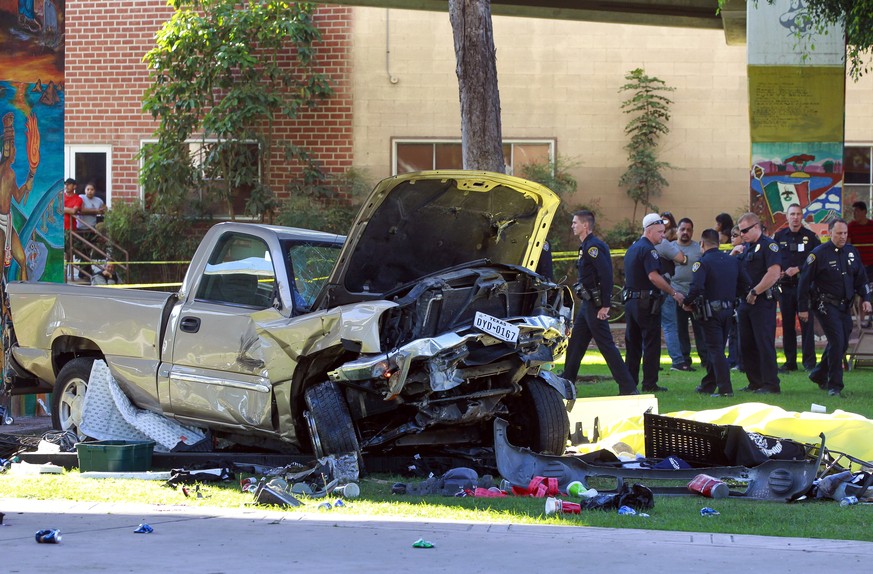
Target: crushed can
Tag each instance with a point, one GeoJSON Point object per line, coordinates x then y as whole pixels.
{"type": "Point", "coordinates": [707, 511]}
{"type": "Point", "coordinates": [144, 529]}
{"type": "Point", "coordinates": [709, 486]}
{"type": "Point", "coordinates": [626, 511]}
{"type": "Point", "coordinates": [48, 536]}
{"type": "Point", "coordinates": [848, 501]}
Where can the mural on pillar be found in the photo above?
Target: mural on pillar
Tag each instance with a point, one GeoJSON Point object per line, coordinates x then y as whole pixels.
{"type": "Point", "coordinates": [796, 113]}
{"type": "Point", "coordinates": [32, 162]}
{"type": "Point", "coordinates": [813, 179]}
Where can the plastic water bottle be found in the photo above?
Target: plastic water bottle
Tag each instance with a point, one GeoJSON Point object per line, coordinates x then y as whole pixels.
{"type": "Point", "coordinates": [848, 501]}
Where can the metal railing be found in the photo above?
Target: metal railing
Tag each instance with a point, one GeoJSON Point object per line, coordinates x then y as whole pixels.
{"type": "Point", "coordinates": [86, 246]}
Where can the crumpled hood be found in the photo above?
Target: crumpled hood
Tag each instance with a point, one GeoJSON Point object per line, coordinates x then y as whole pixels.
{"type": "Point", "coordinates": [418, 224]}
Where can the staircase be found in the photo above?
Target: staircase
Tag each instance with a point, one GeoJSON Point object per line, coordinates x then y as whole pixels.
{"type": "Point", "coordinates": [87, 246]}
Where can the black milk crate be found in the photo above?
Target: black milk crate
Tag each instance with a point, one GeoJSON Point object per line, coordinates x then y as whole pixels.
{"type": "Point", "coordinates": [698, 444]}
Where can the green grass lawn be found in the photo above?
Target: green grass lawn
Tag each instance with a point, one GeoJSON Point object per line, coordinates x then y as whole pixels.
{"type": "Point", "coordinates": [798, 392]}
{"type": "Point", "coordinates": [816, 519]}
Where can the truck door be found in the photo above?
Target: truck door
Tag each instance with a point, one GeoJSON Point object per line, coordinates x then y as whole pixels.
{"type": "Point", "coordinates": [218, 371]}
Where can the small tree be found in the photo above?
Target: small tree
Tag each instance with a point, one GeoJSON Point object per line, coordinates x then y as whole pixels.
{"type": "Point", "coordinates": [220, 73]}
{"type": "Point", "coordinates": [650, 111]}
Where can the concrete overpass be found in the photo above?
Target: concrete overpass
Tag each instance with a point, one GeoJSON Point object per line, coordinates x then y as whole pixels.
{"type": "Point", "coordinates": [680, 13]}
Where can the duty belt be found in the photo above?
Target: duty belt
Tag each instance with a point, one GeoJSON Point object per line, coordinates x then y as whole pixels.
{"type": "Point", "coordinates": [832, 299]}
{"type": "Point", "coordinates": [719, 305]}
{"type": "Point", "coordinates": [641, 295]}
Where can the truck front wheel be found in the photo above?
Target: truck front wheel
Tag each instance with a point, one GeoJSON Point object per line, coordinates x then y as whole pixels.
{"type": "Point", "coordinates": [330, 424]}
{"type": "Point", "coordinates": [68, 395]}
{"type": "Point", "coordinates": [538, 419]}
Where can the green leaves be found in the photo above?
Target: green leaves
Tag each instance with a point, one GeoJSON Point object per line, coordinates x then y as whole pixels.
{"type": "Point", "coordinates": [217, 76]}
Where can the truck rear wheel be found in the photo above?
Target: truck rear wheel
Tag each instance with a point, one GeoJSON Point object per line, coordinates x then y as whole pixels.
{"type": "Point", "coordinates": [538, 420]}
{"type": "Point", "coordinates": [68, 395]}
{"type": "Point", "coordinates": [330, 424]}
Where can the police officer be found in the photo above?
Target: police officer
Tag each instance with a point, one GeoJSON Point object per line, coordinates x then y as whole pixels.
{"type": "Point", "coordinates": [595, 290]}
{"type": "Point", "coordinates": [643, 286]}
{"type": "Point", "coordinates": [756, 316]}
{"type": "Point", "coordinates": [795, 243]}
{"type": "Point", "coordinates": [832, 275]}
{"type": "Point", "coordinates": [717, 282]}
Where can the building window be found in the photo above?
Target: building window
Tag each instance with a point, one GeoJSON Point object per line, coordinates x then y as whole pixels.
{"type": "Point", "coordinates": [90, 164]}
{"type": "Point", "coordinates": [858, 174]}
{"type": "Point", "coordinates": [410, 155]}
{"type": "Point", "coordinates": [212, 162]}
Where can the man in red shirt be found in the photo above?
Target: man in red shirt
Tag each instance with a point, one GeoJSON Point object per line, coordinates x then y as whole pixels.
{"type": "Point", "coordinates": [861, 237]}
{"type": "Point", "coordinates": [72, 204]}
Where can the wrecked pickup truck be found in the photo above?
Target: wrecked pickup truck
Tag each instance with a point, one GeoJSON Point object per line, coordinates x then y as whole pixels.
{"type": "Point", "coordinates": [419, 328]}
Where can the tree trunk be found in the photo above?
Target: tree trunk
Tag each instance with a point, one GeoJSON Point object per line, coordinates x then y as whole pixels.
{"type": "Point", "coordinates": [481, 138]}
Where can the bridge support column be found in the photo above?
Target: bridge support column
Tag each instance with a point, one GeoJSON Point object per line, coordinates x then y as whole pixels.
{"type": "Point", "coordinates": [796, 113]}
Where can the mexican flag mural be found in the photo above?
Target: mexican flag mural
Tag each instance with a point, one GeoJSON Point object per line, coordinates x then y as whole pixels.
{"type": "Point", "coordinates": [796, 114]}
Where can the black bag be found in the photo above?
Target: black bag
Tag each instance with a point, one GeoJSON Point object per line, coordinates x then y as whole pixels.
{"type": "Point", "coordinates": [638, 497]}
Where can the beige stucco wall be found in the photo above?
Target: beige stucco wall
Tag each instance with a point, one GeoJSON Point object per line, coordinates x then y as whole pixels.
{"type": "Point", "coordinates": [561, 79]}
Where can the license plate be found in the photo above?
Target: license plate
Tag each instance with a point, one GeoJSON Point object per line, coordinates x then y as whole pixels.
{"type": "Point", "coordinates": [496, 327]}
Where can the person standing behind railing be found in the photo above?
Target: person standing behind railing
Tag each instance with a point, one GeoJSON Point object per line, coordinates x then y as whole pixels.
{"type": "Point", "coordinates": [92, 206]}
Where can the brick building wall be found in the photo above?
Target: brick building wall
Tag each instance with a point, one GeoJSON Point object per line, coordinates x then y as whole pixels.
{"type": "Point", "coordinates": [106, 78]}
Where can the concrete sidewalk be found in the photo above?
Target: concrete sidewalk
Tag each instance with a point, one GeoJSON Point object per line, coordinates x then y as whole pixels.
{"type": "Point", "coordinates": [99, 537]}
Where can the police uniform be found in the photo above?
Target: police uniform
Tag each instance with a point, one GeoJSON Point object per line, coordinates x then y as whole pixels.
{"type": "Point", "coordinates": [595, 289]}
{"type": "Point", "coordinates": [643, 300]}
{"type": "Point", "coordinates": [716, 283]}
{"type": "Point", "coordinates": [757, 322]}
{"type": "Point", "coordinates": [795, 247]}
{"type": "Point", "coordinates": [829, 280]}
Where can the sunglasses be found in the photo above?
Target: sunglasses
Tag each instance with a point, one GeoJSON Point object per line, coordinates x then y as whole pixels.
{"type": "Point", "coordinates": [747, 229]}
{"type": "Point", "coordinates": [735, 235]}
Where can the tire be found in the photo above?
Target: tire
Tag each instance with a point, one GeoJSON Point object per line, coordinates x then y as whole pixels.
{"type": "Point", "coordinates": [69, 394]}
{"type": "Point", "coordinates": [539, 420]}
{"type": "Point", "coordinates": [330, 425]}
{"type": "Point", "coordinates": [616, 310]}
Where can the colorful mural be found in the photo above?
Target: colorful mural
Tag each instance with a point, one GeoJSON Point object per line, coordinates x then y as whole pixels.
{"type": "Point", "coordinates": [32, 162]}
{"type": "Point", "coordinates": [813, 180]}
{"type": "Point", "coordinates": [796, 114]}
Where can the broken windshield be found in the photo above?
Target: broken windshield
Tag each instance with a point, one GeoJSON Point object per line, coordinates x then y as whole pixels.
{"type": "Point", "coordinates": [311, 264]}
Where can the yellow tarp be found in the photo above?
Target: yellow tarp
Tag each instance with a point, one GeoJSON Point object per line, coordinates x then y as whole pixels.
{"type": "Point", "coordinates": [845, 432]}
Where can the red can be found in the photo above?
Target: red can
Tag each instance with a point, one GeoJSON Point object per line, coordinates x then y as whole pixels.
{"type": "Point", "coordinates": [709, 486]}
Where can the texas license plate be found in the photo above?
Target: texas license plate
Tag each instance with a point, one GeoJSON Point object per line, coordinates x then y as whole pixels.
{"type": "Point", "coordinates": [496, 327]}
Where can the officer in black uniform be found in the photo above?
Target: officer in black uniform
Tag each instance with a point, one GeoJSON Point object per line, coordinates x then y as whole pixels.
{"type": "Point", "coordinates": [643, 298]}
{"type": "Point", "coordinates": [795, 243]}
{"type": "Point", "coordinates": [717, 282]}
{"type": "Point", "coordinates": [756, 316]}
{"type": "Point", "coordinates": [595, 290]}
{"type": "Point", "coordinates": [832, 275]}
